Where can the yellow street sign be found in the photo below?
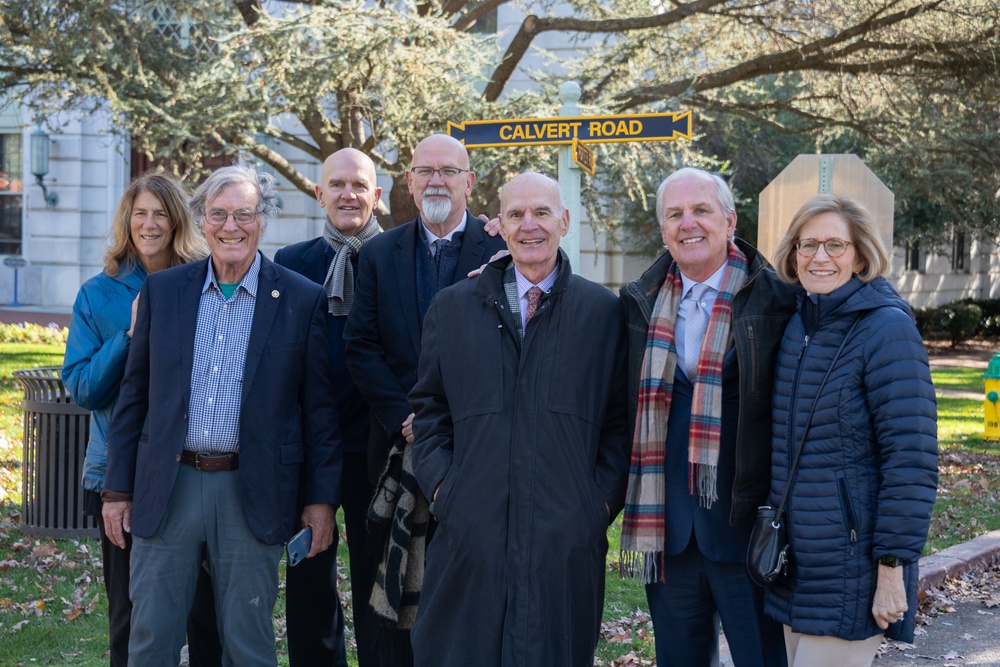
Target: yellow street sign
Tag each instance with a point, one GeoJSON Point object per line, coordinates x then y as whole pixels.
{"type": "Point", "coordinates": [584, 157]}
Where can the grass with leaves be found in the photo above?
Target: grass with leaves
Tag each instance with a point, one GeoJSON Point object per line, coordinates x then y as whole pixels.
{"type": "Point", "coordinates": [53, 607]}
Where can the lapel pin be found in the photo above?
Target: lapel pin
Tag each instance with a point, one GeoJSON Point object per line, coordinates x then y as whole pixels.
{"type": "Point", "coordinates": [275, 294]}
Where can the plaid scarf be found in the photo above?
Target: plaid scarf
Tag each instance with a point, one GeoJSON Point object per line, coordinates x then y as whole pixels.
{"type": "Point", "coordinates": [339, 282]}
{"type": "Point", "coordinates": [398, 518]}
{"type": "Point", "coordinates": [643, 527]}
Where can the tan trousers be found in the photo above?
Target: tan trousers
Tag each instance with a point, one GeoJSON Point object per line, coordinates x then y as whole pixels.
{"type": "Point", "coordinates": [813, 651]}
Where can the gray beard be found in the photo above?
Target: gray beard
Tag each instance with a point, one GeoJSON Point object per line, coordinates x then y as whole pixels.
{"type": "Point", "coordinates": [434, 210]}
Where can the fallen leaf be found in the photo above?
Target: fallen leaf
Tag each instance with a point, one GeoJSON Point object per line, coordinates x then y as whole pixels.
{"type": "Point", "coordinates": [42, 550]}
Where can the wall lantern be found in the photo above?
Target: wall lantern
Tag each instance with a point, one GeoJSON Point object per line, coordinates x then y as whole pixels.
{"type": "Point", "coordinates": [40, 164]}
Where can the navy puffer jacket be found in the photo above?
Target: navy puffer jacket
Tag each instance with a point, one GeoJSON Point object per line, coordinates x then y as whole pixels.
{"type": "Point", "coordinates": [867, 477]}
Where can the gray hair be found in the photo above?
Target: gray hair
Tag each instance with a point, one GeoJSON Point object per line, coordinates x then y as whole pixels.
{"type": "Point", "coordinates": [722, 191]}
{"type": "Point", "coordinates": [219, 180]}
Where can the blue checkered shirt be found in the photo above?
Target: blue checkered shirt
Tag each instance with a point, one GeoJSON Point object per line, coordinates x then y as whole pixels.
{"type": "Point", "coordinates": [220, 352]}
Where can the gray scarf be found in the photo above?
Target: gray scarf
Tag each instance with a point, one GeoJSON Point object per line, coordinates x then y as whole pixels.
{"type": "Point", "coordinates": [339, 281]}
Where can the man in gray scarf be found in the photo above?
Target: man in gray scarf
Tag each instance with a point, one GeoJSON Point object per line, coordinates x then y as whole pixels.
{"type": "Point", "coordinates": [348, 192]}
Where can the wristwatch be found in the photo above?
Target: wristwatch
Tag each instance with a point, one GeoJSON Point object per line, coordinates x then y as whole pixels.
{"type": "Point", "coordinates": [889, 561]}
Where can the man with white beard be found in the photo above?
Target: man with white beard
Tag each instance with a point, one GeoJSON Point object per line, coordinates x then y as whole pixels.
{"type": "Point", "coordinates": [399, 272]}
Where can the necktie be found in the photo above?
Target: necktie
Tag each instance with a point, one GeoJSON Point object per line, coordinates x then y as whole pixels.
{"type": "Point", "coordinates": [695, 324]}
{"type": "Point", "coordinates": [534, 295]}
{"type": "Point", "coordinates": [436, 247]}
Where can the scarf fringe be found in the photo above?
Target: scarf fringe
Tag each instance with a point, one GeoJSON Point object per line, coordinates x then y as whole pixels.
{"type": "Point", "coordinates": [708, 486]}
{"type": "Point", "coordinates": [646, 567]}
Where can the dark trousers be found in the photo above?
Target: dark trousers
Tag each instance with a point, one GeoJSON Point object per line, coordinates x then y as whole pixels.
{"type": "Point", "coordinates": [356, 496]}
{"type": "Point", "coordinates": [312, 604]}
{"type": "Point", "coordinates": [686, 609]}
{"type": "Point", "coordinates": [204, 648]}
{"type": "Point", "coordinates": [313, 612]}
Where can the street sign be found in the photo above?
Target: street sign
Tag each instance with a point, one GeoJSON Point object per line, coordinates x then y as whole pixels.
{"type": "Point", "coordinates": [584, 157]}
{"type": "Point", "coordinates": [567, 130]}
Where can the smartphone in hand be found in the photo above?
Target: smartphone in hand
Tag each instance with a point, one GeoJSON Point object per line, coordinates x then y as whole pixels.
{"type": "Point", "coordinates": [299, 546]}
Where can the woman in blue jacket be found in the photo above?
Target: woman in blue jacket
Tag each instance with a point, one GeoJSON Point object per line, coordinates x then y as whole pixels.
{"type": "Point", "coordinates": [860, 501]}
{"type": "Point", "coordinates": [152, 230]}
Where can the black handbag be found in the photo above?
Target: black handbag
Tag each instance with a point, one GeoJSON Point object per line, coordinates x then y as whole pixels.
{"type": "Point", "coordinates": [767, 555]}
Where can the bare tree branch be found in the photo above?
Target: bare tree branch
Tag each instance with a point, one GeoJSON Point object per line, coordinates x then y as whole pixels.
{"type": "Point", "coordinates": [302, 145]}
{"type": "Point", "coordinates": [250, 10]}
{"type": "Point", "coordinates": [814, 55]}
{"type": "Point", "coordinates": [532, 26]}
{"type": "Point", "coordinates": [281, 165]}
{"type": "Point", "coordinates": [469, 18]}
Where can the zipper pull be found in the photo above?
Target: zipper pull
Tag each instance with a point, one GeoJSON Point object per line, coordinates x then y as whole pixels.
{"type": "Point", "coordinates": [805, 341]}
{"type": "Point", "coordinates": [854, 535]}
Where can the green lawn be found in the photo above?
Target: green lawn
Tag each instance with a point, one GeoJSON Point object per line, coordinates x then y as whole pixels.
{"type": "Point", "coordinates": [18, 356]}
{"type": "Point", "coordinates": [958, 379]}
{"type": "Point", "coordinates": [52, 603]}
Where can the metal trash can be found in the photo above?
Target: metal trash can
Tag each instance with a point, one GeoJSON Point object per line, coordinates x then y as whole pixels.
{"type": "Point", "coordinates": [56, 431]}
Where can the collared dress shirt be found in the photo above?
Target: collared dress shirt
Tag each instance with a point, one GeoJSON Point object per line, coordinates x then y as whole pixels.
{"type": "Point", "coordinates": [430, 237]}
{"type": "Point", "coordinates": [523, 285]}
{"type": "Point", "coordinates": [714, 282]}
{"type": "Point", "coordinates": [220, 350]}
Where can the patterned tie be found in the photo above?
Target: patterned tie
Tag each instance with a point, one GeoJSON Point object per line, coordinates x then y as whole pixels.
{"type": "Point", "coordinates": [695, 324]}
{"type": "Point", "coordinates": [534, 295]}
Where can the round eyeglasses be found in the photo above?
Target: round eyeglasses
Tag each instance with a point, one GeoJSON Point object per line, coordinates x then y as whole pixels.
{"type": "Point", "coordinates": [218, 216]}
{"type": "Point", "coordinates": [833, 247]}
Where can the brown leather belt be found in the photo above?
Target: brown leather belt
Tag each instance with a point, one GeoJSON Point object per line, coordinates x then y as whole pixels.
{"type": "Point", "coordinates": [210, 462]}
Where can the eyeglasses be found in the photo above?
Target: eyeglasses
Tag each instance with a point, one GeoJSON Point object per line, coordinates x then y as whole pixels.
{"type": "Point", "coordinates": [833, 247]}
{"type": "Point", "coordinates": [447, 173]}
{"type": "Point", "coordinates": [219, 216]}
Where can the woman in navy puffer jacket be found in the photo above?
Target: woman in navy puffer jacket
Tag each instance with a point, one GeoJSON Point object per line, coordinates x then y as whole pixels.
{"type": "Point", "coordinates": [859, 506]}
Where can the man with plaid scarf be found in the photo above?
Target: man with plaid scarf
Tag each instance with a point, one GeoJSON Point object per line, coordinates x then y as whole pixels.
{"type": "Point", "coordinates": [704, 323]}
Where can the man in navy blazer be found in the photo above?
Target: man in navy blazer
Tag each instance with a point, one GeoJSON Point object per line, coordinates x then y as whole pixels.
{"type": "Point", "coordinates": [399, 272]}
{"type": "Point", "coordinates": [348, 192]}
{"type": "Point", "coordinates": [227, 395]}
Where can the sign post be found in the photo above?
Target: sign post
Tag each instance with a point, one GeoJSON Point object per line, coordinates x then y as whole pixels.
{"type": "Point", "coordinates": [569, 176]}
{"type": "Point", "coordinates": [573, 133]}
{"type": "Point", "coordinates": [15, 263]}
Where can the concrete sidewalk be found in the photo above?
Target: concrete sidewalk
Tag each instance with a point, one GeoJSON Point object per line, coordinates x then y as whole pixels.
{"type": "Point", "coordinates": [32, 315]}
{"type": "Point", "coordinates": [968, 631]}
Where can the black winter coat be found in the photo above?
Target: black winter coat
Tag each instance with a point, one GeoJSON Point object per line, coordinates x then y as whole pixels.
{"type": "Point", "coordinates": [867, 476]}
{"type": "Point", "coordinates": [529, 444]}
